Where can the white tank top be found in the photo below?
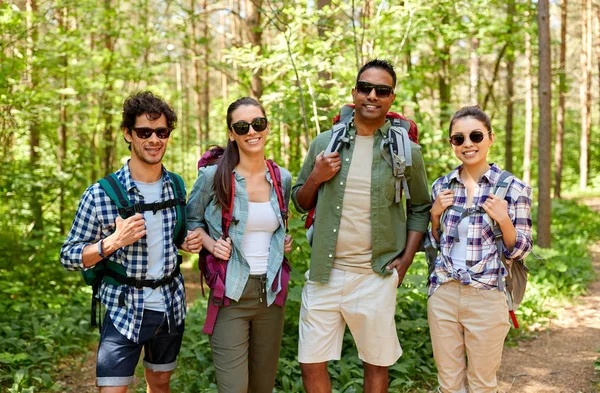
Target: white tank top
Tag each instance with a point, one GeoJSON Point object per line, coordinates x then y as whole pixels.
{"type": "Point", "coordinates": [261, 224]}
{"type": "Point", "coordinates": [458, 252]}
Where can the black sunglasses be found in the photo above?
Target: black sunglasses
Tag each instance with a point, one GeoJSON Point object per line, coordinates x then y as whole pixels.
{"type": "Point", "coordinates": [146, 132]}
{"type": "Point", "coordinates": [382, 91]}
{"type": "Point", "coordinates": [459, 139]}
{"type": "Point", "coordinates": [242, 127]}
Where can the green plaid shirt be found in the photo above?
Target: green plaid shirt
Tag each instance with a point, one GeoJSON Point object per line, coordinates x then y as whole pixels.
{"type": "Point", "coordinates": [390, 222]}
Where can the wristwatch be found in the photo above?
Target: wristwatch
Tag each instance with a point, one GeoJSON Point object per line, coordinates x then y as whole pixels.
{"type": "Point", "coordinates": [100, 252]}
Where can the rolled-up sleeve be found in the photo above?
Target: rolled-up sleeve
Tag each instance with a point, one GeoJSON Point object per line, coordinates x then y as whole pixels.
{"type": "Point", "coordinates": [522, 222]}
{"type": "Point", "coordinates": [199, 199]}
{"type": "Point", "coordinates": [419, 205]}
{"type": "Point", "coordinates": [85, 230]}
{"type": "Point", "coordinates": [436, 188]}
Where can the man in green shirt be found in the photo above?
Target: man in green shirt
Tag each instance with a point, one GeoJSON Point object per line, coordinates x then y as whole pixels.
{"type": "Point", "coordinates": [363, 241]}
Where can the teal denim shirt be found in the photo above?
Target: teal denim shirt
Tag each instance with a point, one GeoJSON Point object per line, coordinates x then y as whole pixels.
{"type": "Point", "coordinates": [203, 212]}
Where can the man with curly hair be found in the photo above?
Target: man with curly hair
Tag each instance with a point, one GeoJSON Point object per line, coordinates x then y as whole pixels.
{"type": "Point", "coordinates": [148, 309]}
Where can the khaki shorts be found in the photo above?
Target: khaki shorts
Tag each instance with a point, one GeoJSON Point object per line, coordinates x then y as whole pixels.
{"type": "Point", "coordinates": [366, 302]}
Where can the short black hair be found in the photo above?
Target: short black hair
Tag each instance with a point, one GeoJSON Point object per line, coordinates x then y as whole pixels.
{"type": "Point", "coordinates": [381, 64]}
{"type": "Point", "coordinates": [471, 111]}
{"type": "Point", "coordinates": [147, 103]}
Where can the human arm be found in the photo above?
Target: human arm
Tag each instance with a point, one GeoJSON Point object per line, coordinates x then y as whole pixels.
{"type": "Point", "coordinates": [403, 261]}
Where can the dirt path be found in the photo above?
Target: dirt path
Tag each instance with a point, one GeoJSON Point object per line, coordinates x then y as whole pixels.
{"type": "Point", "coordinates": [78, 374]}
{"type": "Point", "coordinates": [561, 359]}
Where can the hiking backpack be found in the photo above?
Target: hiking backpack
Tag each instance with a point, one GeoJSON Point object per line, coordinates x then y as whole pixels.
{"type": "Point", "coordinates": [395, 149]}
{"type": "Point", "coordinates": [214, 270]}
{"type": "Point", "coordinates": [516, 279]}
{"type": "Point", "coordinates": [114, 273]}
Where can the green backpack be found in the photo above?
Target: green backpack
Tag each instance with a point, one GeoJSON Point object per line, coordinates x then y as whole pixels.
{"type": "Point", "coordinates": [115, 273]}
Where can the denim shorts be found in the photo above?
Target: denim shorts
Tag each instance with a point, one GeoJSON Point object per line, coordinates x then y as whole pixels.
{"type": "Point", "coordinates": [118, 356]}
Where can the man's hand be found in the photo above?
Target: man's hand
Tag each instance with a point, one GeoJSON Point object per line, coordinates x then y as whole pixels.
{"type": "Point", "coordinates": [287, 244]}
{"type": "Point", "coordinates": [128, 231]}
{"type": "Point", "coordinates": [326, 167]}
{"type": "Point", "coordinates": [192, 242]}
{"type": "Point", "coordinates": [401, 264]}
{"type": "Point", "coordinates": [222, 249]}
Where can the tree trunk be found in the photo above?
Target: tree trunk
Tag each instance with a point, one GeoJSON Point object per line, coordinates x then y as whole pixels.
{"type": "Point", "coordinates": [444, 85]}
{"type": "Point", "coordinates": [545, 127]}
{"type": "Point", "coordinates": [107, 116]}
{"type": "Point", "coordinates": [562, 89]}
{"type": "Point", "coordinates": [197, 80]}
{"type": "Point", "coordinates": [32, 81]}
{"type": "Point", "coordinates": [205, 85]}
{"type": "Point", "coordinates": [61, 16]}
{"type": "Point", "coordinates": [585, 92]}
{"type": "Point", "coordinates": [528, 103]}
{"type": "Point", "coordinates": [474, 72]}
{"type": "Point", "coordinates": [510, 69]}
{"type": "Point", "coordinates": [254, 26]}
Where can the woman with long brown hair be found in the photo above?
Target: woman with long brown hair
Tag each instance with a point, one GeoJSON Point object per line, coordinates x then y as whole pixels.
{"type": "Point", "coordinates": [247, 333]}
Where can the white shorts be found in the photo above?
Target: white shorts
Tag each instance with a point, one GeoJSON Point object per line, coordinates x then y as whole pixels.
{"type": "Point", "coordinates": [366, 302]}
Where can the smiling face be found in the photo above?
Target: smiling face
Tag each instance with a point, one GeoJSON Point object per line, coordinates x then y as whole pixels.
{"type": "Point", "coordinates": [147, 151]}
{"type": "Point", "coordinates": [369, 108]}
{"type": "Point", "coordinates": [253, 143]}
{"type": "Point", "coordinates": [472, 154]}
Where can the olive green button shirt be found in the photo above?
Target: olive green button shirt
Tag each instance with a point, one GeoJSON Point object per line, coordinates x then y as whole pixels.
{"type": "Point", "coordinates": [390, 224]}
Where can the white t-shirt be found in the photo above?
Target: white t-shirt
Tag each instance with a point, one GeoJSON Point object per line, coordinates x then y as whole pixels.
{"type": "Point", "coordinates": [458, 252]}
{"type": "Point", "coordinates": [153, 299]}
{"type": "Point", "coordinates": [261, 224]}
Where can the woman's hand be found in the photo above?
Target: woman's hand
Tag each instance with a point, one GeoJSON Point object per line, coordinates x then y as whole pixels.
{"type": "Point", "coordinates": [444, 200]}
{"type": "Point", "coordinates": [287, 244]}
{"type": "Point", "coordinates": [192, 242]}
{"type": "Point", "coordinates": [222, 249]}
{"type": "Point", "coordinates": [496, 208]}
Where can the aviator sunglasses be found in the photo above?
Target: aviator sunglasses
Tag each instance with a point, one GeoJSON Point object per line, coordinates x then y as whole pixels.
{"type": "Point", "coordinates": [382, 91]}
{"type": "Point", "coordinates": [146, 132]}
{"type": "Point", "coordinates": [242, 127]}
{"type": "Point", "coordinates": [459, 139]}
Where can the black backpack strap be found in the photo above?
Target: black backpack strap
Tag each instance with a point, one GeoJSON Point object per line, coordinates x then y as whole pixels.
{"type": "Point", "coordinates": [180, 231]}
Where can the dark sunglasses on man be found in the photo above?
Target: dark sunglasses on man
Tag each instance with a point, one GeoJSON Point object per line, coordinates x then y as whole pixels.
{"type": "Point", "coordinates": [242, 127]}
{"type": "Point", "coordinates": [458, 139]}
{"type": "Point", "coordinates": [146, 132]}
{"type": "Point", "coordinates": [382, 91]}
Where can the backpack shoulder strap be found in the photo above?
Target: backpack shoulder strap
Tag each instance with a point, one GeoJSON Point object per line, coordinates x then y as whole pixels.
{"type": "Point", "coordinates": [117, 193]}
{"type": "Point", "coordinates": [500, 191]}
{"type": "Point", "coordinates": [395, 149]}
{"type": "Point", "coordinates": [399, 130]}
{"type": "Point", "coordinates": [339, 137]}
{"type": "Point", "coordinates": [276, 176]}
{"type": "Point", "coordinates": [180, 231]}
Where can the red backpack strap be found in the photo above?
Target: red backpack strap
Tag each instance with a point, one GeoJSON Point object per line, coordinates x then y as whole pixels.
{"type": "Point", "coordinates": [276, 176]}
{"type": "Point", "coordinates": [227, 216]}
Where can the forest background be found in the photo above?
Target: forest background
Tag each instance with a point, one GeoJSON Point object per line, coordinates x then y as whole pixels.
{"type": "Point", "coordinates": [67, 66]}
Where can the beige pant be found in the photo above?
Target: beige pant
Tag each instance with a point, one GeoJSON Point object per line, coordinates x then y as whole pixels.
{"type": "Point", "coordinates": [366, 302]}
{"type": "Point", "coordinates": [465, 320]}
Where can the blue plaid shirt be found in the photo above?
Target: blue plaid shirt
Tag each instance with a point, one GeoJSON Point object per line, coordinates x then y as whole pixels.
{"type": "Point", "coordinates": [484, 265]}
{"type": "Point", "coordinates": [95, 220]}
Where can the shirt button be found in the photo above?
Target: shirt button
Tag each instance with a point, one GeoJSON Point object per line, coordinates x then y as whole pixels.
{"type": "Point", "coordinates": [351, 137]}
{"type": "Point", "coordinates": [347, 159]}
{"type": "Point", "coordinates": [334, 230]}
{"type": "Point", "coordinates": [337, 207]}
{"type": "Point", "coordinates": [330, 255]}
{"type": "Point", "coordinates": [341, 183]}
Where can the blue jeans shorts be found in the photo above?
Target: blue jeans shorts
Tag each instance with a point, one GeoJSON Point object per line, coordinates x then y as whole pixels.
{"type": "Point", "coordinates": [118, 356]}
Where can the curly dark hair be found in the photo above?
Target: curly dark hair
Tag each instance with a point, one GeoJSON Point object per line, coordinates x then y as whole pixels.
{"type": "Point", "coordinates": [381, 64]}
{"type": "Point", "coordinates": [146, 103]}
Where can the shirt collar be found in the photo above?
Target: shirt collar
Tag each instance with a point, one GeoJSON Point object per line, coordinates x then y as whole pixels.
{"type": "Point", "coordinates": [492, 175]}
{"type": "Point", "coordinates": [129, 183]}
{"type": "Point", "coordinates": [383, 130]}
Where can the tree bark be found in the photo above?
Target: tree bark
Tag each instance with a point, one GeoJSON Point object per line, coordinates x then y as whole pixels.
{"type": "Point", "coordinates": [560, 114]}
{"type": "Point", "coordinates": [254, 20]}
{"type": "Point", "coordinates": [544, 236]}
{"type": "Point", "coordinates": [510, 68]}
{"type": "Point", "coordinates": [205, 86]}
{"type": "Point", "coordinates": [474, 72]}
{"type": "Point", "coordinates": [585, 92]}
{"type": "Point", "coordinates": [528, 103]}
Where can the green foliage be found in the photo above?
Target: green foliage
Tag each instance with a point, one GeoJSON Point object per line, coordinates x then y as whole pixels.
{"type": "Point", "coordinates": [43, 315]}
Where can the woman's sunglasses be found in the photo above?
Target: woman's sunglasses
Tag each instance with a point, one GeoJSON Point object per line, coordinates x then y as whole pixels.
{"type": "Point", "coordinates": [459, 139]}
{"type": "Point", "coordinates": [382, 91]}
{"type": "Point", "coordinates": [242, 127]}
{"type": "Point", "coordinates": [146, 132]}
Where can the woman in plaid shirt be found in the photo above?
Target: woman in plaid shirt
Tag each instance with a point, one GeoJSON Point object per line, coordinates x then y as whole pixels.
{"type": "Point", "coordinates": [467, 309]}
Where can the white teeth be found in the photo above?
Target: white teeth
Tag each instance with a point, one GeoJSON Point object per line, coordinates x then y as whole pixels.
{"type": "Point", "coordinates": [252, 140]}
{"type": "Point", "coordinates": [470, 153]}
